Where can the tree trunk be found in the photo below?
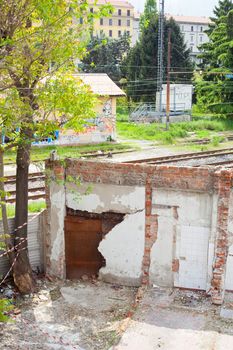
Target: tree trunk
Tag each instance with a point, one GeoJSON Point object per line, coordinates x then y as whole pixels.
{"type": "Point", "coordinates": [7, 236]}
{"type": "Point", "coordinates": [22, 271]}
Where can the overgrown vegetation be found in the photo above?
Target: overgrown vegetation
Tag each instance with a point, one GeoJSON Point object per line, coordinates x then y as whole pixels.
{"type": "Point", "coordinates": [202, 127]}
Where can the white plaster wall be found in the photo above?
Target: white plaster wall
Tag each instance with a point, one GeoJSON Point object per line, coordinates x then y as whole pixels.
{"type": "Point", "coordinates": [104, 198]}
{"type": "Point", "coordinates": [162, 251]}
{"type": "Point", "coordinates": [123, 249]}
{"type": "Point", "coordinates": [194, 215]}
{"type": "Point", "coordinates": [57, 217]}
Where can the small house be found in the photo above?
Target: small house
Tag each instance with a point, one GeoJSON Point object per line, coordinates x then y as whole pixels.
{"type": "Point", "coordinates": [103, 127]}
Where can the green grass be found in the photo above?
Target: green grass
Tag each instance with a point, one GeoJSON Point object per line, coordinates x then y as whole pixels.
{"type": "Point", "coordinates": [202, 127]}
{"type": "Point", "coordinates": [41, 153]}
{"type": "Point", "coordinates": [33, 207]}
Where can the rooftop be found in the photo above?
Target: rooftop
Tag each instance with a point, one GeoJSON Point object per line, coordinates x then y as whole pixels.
{"type": "Point", "coordinates": [189, 19]}
{"type": "Point", "coordinates": [116, 3]}
{"type": "Point", "coordinates": [100, 84]}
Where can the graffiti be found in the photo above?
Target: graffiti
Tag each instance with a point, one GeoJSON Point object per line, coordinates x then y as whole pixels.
{"type": "Point", "coordinates": [99, 129]}
{"type": "Point", "coordinates": [107, 108]}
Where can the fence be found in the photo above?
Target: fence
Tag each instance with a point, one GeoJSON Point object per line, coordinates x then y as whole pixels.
{"type": "Point", "coordinates": [35, 243]}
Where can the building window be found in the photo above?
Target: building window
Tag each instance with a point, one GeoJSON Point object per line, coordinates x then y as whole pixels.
{"type": "Point", "coordinates": [182, 28]}
{"type": "Point", "coordinates": [110, 21]}
{"type": "Point", "coordinates": [128, 22]}
{"type": "Point", "coordinates": [119, 12]}
{"type": "Point", "coordinates": [92, 10]}
{"type": "Point", "coordinates": [201, 29]}
{"type": "Point", "coordinates": [201, 38]}
{"type": "Point", "coordinates": [119, 22]}
{"type": "Point", "coordinates": [191, 38]}
{"type": "Point", "coordinates": [101, 21]}
{"type": "Point", "coordinates": [191, 28]}
{"type": "Point", "coordinates": [110, 33]}
{"type": "Point", "coordinates": [128, 32]}
{"type": "Point", "coordinates": [119, 33]}
{"type": "Point", "coordinates": [191, 48]}
{"type": "Point", "coordinates": [128, 13]}
{"type": "Point", "coordinates": [81, 20]}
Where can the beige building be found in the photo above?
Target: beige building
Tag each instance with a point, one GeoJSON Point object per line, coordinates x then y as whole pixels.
{"type": "Point", "coordinates": [124, 19]}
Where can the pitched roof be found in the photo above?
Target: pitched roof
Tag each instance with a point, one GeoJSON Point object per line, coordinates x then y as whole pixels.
{"type": "Point", "coordinates": [117, 3]}
{"type": "Point", "coordinates": [190, 19]}
{"type": "Point", "coordinates": [100, 84]}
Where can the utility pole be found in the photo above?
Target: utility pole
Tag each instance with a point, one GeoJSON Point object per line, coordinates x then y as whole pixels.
{"type": "Point", "coordinates": [168, 79]}
{"type": "Point", "coordinates": [160, 56]}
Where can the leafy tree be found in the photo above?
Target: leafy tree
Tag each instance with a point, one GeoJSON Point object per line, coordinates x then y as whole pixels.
{"type": "Point", "coordinates": [106, 55]}
{"type": "Point", "coordinates": [142, 60]}
{"type": "Point", "coordinates": [39, 41]}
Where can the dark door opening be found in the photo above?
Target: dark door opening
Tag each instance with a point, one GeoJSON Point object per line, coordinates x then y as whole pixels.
{"type": "Point", "coordinates": [83, 234]}
{"type": "Point", "coordinates": [82, 238]}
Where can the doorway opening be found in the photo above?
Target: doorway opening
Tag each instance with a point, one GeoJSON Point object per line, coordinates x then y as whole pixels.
{"type": "Point", "coordinates": [83, 233]}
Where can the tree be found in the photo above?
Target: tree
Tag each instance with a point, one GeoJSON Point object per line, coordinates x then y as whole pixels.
{"type": "Point", "coordinates": [220, 11]}
{"type": "Point", "coordinates": [214, 85]}
{"type": "Point", "coordinates": [142, 60]}
{"type": "Point", "coordinates": [150, 12]}
{"type": "Point", "coordinates": [39, 41]}
{"type": "Point", "coordinates": [105, 55]}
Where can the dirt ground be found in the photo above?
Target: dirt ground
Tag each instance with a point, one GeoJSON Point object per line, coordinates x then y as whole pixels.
{"type": "Point", "coordinates": [92, 315]}
{"type": "Point", "coordinates": [83, 315]}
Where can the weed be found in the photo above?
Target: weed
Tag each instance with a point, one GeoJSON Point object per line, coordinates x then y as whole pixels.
{"type": "Point", "coordinates": [216, 140]}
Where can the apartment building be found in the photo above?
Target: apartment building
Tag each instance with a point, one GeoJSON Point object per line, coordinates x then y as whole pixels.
{"type": "Point", "coordinates": [121, 21]}
{"type": "Point", "coordinates": [193, 30]}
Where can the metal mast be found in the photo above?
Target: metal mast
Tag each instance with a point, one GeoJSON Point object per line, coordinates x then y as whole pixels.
{"type": "Point", "coordinates": [160, 55]}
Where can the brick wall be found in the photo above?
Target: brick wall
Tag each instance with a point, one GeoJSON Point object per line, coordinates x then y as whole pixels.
{"type": "Point", "coordinates": [222, 185]}
{"type": "Point", "coordinates": [151, 230]}
{"type": "Point", "coordinates": [196, 179]}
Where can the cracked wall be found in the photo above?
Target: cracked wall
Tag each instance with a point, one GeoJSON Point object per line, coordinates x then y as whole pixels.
{"type": "Point", "coordinates": [122, 247]}
{"type": "Point", "coordinates": [188, 223]}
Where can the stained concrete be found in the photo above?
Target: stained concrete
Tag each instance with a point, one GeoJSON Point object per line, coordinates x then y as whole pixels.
{"type": "Point", "coordinates": [175, 320]}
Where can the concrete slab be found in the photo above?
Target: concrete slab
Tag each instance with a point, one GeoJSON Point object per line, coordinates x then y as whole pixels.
{"type": "Point", "coordinates": [172, 320]}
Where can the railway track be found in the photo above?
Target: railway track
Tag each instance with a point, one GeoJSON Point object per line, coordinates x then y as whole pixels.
{"type": "Point", "coordinates": [184, 157]}
{"type": "Point", "coordinates": [37, 179]}
{"type": "Point", "coordinates": [36, 187]}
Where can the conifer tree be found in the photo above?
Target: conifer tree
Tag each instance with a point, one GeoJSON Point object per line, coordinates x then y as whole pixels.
{"type": "Point", "coordinates": [142, 60]}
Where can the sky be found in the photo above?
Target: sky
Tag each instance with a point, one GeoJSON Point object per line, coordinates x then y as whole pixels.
{"type": "Point", "coordinates": [183, 7]}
